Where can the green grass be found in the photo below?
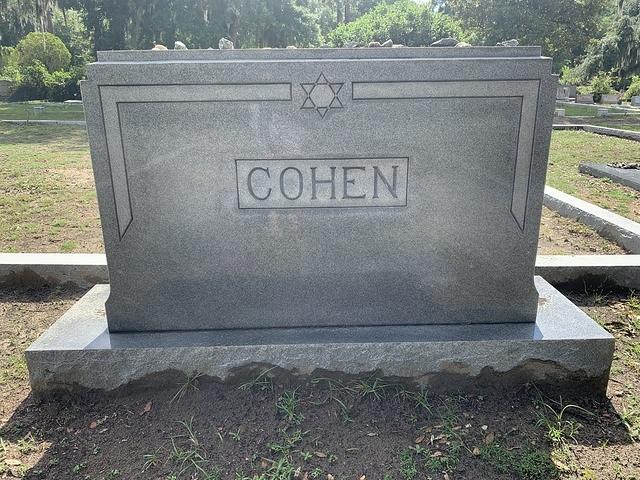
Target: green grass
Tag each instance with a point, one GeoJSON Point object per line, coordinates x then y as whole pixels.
{"type": "Point", "coordinates": [570, 148]}
{"type": "Point", "coordinates": [52, 111]}
{"type": "Point", "coordinates": [47, 195]}
{"type": "Point", "coordinates": [573, 110]}
{"type": "Point", "coordinates": [530, 465]}
{"type": "Point", "coordinates": [635, 128]}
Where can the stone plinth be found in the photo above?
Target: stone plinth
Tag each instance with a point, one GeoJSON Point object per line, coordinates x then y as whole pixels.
{"type": "Point", "coordinates": [564, 348]}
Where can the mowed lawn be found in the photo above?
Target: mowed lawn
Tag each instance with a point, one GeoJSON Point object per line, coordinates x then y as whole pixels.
{"type": "Point", "coordinates": [47, 195]}
{"type": "Point", "coordinates": [48, 201]}
{"type": "Point", "coordinates": [38, 110]}
{"type": "Point", "coordinates": [570, 148]}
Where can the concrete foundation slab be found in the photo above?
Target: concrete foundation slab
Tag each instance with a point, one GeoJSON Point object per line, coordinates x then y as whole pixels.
{"type": "Point", "coordinates": [564, 348]}
{"type": "Point", "coordinates": [629, 177]}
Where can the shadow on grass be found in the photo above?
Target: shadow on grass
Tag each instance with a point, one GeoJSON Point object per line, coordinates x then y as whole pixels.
{"type": "Point", "coordinates": [73, 137]}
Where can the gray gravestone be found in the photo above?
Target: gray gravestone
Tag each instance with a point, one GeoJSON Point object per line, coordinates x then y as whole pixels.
{"type": "Point", "coordinates": [586, 98]}
{"type": "Point", "coordinates": [380, 207]}
{"type": "Point", "coordinates": [241, 191]}
{"type": "Point", "coordinates": [624, 176]}
{"type": "Point", "coordinates": [635, 101]}
{"type": "Point", "coordinates": [562, 93]}
{"type": "Point", "coordinates": [610, 98]}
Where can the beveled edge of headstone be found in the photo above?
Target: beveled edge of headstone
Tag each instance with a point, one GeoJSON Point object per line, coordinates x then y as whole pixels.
{"type": "Point", "coordinates": [315, 53]}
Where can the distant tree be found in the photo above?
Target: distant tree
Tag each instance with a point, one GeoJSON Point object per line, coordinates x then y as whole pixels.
{"type": "Point", "coordinates": [69, 26]}
{"type": "Point", "coordinates": [562, 28]}
{"type": "Point", "coordinates": [618, 51]}
{"type": "Point", "coordinates": [45, 48]}
{"type": "Point", "coordinates": [404, 21]}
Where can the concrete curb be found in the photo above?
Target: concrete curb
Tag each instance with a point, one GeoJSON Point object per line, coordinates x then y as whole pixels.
{"type": "Point", "coordinates": [88, 269]}
{"type": "Point", "coordinates": [37, 269]}
{"type": "Point", "coordinates": [612, 226]}
{"type": "Point", "coordinates": [47, 122]}
{"type": "Point", "coordinates": [621, 270]}
{"type": "Point", "coordinates": [611, 132]}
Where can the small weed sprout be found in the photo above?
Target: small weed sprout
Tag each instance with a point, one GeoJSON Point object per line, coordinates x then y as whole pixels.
{"type": "Point", "coordinates": [558, 427]}
{"type": "Point", "coordinates": [191, 383]}
{"type": "Point", "coordinates": [306, 456]}
{"type": "Point", "coordinates": [371, 387]}
{"type": "Point", "coordinates": [422, 401]}
{"type": "Point", "coordinates": [289, 440]}
{"type": "Point", "coordinates": [287, 404]}
{"type": "Point", "coordinates": [151, 460]}
{"type": "Point", "coordinates": [262, 382]}
{"type": "Point", "coordinates": [408, 465]}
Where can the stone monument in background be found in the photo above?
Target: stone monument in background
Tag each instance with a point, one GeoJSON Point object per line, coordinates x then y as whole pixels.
{"type": "Point", "coordinates": [351, 210]}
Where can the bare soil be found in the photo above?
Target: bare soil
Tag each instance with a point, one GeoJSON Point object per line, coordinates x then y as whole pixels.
{"type": "Point", "coordinates": [198, 429]}
{"type": "Point", "coordinates": [563, 236]}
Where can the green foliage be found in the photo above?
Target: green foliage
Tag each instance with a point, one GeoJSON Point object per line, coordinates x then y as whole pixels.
{"type": "Point", "coordinates": [619, 49]}
{"type": "Point", "coordinates": [288, 404]}
{"type": "Point", "coordinates": [408, 465]}
{"type": "Point", "coordinates": [5, 54]}
{"type": "Point", "coordinates": [72, 31]}
{"type": "Point", "coordinates": [599, 85]}
{"type": "Point", "coordinates": [633, 89]}
{"type": "Point", "coordinates": [45, 48]}
{"type": "Point", "coordinates": [530, 465]}
{"type": "Point", "coordinates": [535, 465]}
{"type": "Point", "coordinates": [404, 21]}
{"type": "Point", "coordinates": [568, 76]}
{"type": "Point", "coordinates": [563, 28]}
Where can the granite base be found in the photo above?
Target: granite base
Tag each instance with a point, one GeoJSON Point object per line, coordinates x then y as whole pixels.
{"type": "Point", "coordinates": [564, 348]}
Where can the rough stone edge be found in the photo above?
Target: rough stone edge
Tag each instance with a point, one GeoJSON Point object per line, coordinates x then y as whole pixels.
{"type": "Point", "coordinates": [33, 270]}
{"type": "Point", "coordinates": [527, 364]}
{"type": "Point", "coordinates": [611, 132]}
{"type": "Point", "coordinates": [593, 170]}
{"type": "Point", "coordinates": [611, 226]}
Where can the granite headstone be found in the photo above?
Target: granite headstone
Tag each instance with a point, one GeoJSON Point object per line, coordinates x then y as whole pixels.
{"type": "Point", "coordinates": [379, 206]}
{"type": "Point", "coordinates": [301, 188]}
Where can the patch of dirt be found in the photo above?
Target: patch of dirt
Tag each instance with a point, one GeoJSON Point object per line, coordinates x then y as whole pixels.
{"type": "Point", "coordinates": [196, 429]}
{"type": "Point", "coordinates": [563, 236]}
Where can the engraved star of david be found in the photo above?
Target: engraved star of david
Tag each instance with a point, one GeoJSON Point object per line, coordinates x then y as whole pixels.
{"type": "Point", "coordinates": [322, 95]}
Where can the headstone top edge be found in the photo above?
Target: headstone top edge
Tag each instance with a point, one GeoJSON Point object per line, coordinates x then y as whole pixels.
{"type": "Point", "coordinates": [115, 56]}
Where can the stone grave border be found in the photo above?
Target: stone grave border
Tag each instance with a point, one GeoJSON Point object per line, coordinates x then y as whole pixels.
{"type": "Point", "coordinates": [611, 132]}
{"type": "Point", "coordinates": [88, 269]}
{"type": "Point", "coordinates": [611, 226]}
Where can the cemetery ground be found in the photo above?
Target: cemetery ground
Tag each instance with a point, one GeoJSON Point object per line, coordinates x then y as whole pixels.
{"type": "Point", "coordinates": [264, 426]}
{"type": "Point", "coordinates": [49, 203]}
{"type": "Point", "coordinates": [268, 427]}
